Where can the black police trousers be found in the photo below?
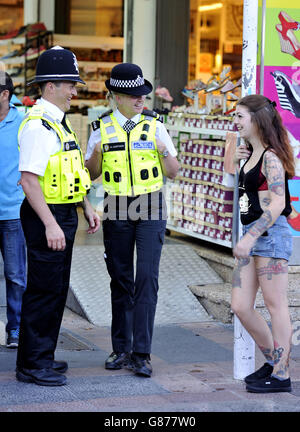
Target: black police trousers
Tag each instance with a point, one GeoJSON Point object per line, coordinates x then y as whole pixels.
{"type": "Point", "coordinates": [48, 278]}
{"type": "Point", "coordinates": [133, 298]}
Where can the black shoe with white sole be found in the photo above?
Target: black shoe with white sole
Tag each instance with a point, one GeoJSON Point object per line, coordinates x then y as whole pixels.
{"type": "Point", "coordinates": [262, 372]}
{"type": "Point", "coordinates": [270, 385]}
{"type": "Point", "coordinates": [12, 340]}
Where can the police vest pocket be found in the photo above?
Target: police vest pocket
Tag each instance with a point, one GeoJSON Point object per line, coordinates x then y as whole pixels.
{"type": "Point", "coordinates": [52, 178]}
{"type": "Point", "coordinates": [82, 180]}
{"type": "Point", "coordinates": [67, 185]}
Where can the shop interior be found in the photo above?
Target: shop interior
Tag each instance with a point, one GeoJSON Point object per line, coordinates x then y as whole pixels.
{"type": "Point", "coordinates": [215, 56]}
{"type": "Point", "coordinates": [94, 31]}
{"type": "Point", "coordinates": [201, 198]}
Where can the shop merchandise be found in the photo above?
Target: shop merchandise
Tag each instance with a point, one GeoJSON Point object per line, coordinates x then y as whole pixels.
{"type": "Point", "coordinates": [286, 31]}
{"type": "Point", "coordinates": [288, 92]}
{"type": "Point", "coordinates": [30, 30]}
{"type": "Point", "coordinates": [217, 84]}
{"type": "Point", "coordinates": [200, 202]}
{"type": "Point", "coordinates": [19, 51]}
{"type": "Point", "coordinates": [164, 94]}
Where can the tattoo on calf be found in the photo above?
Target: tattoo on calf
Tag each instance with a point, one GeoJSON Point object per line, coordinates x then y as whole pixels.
{"type": "Point", "coordinates": [281, 359]}
{"type": "Point", "coordinates": [273, 268]}
{"type": "Point", "coordinates": [267, 352]}
{"type": "Point", "coordinates": [236, 275]}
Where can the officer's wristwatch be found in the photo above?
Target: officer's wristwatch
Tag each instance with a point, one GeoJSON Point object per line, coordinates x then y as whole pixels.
{"type": "Point", "coordinates": [164, 154]}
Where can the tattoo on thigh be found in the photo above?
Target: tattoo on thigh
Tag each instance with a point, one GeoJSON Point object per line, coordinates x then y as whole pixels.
{"type": "Point", "coordinates": [236, 275]}
{"type": "Point", "coordinates": [273, 268]}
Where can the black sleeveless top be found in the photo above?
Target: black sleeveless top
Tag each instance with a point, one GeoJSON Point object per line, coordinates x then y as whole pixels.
{"type": "Point", "coordinates": [249, 183]}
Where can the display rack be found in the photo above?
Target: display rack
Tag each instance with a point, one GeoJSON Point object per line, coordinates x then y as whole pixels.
{"type": "Point", "coordinates": [96, 57]}
{"type": "Point", "coordinates": [20, 54]}
{"type": "Point", "coordinates": [200, 203]}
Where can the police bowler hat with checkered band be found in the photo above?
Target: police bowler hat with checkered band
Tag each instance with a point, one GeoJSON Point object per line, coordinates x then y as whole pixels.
{"type": "Point", "coordinates": [128, 78]}
{"type": "Point", "coordinates": [57, 64]}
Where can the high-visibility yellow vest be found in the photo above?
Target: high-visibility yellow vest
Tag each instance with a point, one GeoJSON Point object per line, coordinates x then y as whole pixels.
{"type": "Point", "coordinates": [66, 180]}
{"type": "Point", "coordinates": [130, 160]}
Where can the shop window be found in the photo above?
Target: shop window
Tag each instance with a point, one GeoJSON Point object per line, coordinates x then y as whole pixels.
{"type": "Point", "coordinates": [97, 17]}
{"type": "Point", "coordinates": [216, 34]}
{"type": "Point", "coordinates": [11, 13]}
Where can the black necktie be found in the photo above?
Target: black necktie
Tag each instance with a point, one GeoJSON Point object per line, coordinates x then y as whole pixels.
{"type": "Point", "coordinates": [129, 125]}
{"type": "Point", "coordinates": [64, 123]}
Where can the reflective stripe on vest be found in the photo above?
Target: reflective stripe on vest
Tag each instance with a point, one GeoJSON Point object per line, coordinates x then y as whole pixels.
{"type": "Point", "coordinates": [66, 180]}
{"type": "Point", "coordinates": [134, 168]}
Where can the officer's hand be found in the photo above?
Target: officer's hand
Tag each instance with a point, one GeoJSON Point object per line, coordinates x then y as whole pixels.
{"type": "Point", "coordinates": [161, 147]}
{"type": "Point", "coordinates": [55, 237]}
{"type": "Point", "coordinates": [91, 216]}
{"type": "Point", "coordinates": [94, 223]}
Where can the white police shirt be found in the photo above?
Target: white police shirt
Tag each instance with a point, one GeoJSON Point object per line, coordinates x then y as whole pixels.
{"type": "Point", "coordinates": [37, 143]}
{"type": "Point", "coordinates": [160, 133]}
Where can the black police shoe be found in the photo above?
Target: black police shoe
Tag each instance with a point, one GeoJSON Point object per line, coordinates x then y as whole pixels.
{"type": "Point", "coordinates": [60, 366]}
{"type": "Point", "coordinates": [140, 365]}
{"type": "Point", "coordinates": [42, 377]}
{"type": "Point", "coordinates": [117, 360]}
{"type": "Point", "coordinates": [262, 372]}
{"type": "Point", "coordinates": [270, 385]}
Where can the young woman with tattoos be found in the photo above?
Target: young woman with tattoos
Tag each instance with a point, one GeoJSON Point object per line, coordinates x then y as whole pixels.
{"type": "Point", "coordinates": [263, 252]}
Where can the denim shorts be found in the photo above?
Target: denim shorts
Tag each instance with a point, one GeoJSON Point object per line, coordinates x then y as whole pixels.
{"type": "Point", "coordinates": [278, 243]}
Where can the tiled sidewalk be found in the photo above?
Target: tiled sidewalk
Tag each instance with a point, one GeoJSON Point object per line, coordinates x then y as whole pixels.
{"type": "Point", "coordinates": [193, 372]}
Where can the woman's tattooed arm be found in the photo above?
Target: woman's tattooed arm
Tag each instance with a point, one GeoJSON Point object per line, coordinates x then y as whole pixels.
{"type": "Point", "coordinates": [275, 177]}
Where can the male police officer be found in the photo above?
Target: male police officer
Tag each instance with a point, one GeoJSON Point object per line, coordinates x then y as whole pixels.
{"type": "Point", "coordinates": [54, 181]}
{"type": "Point", "coordinates": [132, 150]}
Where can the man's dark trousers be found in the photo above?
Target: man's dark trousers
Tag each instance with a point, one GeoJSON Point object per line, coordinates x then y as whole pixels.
{"type": "Point", "coordinates": [47, 286]}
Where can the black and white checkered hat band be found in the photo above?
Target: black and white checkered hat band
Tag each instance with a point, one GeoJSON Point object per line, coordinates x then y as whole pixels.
{"type": "Point", "coordinates": [139, 81]}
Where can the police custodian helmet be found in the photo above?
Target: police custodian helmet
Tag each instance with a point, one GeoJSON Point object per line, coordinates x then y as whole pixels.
{"type": "Point", "coordinates": [57, 64]}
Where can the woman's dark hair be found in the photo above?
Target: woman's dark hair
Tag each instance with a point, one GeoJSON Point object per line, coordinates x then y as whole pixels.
{"type": "Point", "coordinates": [6, 84]}
{"type": "Point", "coordinates": [270, 129]}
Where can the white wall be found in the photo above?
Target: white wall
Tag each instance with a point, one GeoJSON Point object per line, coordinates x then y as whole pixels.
{"type": "Point", "coordinates": [47, 12]}
{"type": "Point", "coordinates": [144, 38]}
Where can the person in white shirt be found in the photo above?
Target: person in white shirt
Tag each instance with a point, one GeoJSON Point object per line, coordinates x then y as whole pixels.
{"type": "Point", "coordinates": [132, 150]}
{"type": "Point", "coordinates": [54, 181]}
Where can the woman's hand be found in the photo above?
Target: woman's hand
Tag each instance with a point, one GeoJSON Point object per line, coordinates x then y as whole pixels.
{"type": "Point", "coordinates": [241, 152]}
{"type": "Point", "coordinates": [243, 247]}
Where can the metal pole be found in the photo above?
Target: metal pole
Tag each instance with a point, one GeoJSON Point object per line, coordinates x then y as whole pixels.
{"type": "Point", "coordinates": [244, 346]}
{"type": "Point", "coordinates": [262, 50]}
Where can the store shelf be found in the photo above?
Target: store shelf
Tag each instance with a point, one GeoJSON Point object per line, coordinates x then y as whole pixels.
{"type": "Point", "coordinates": [201, 131]}
{"type": "Point", "coordinates": [96, 56]}
{"type": "Point", "coordinates": [29, 49]}
{"type": "Point", "coordinates": [199, 204]}
{"type": "Point", "coordinates": [21, 59]}
{"type": "Point", "coordinates": [93, 42]}
{"type": "Point", "coordinates": [14, 41]}
{"type": "Point", "coordinates": [199, 236]}
{"type": "Point", "coordinates": [89, 102]}
{"type": "Point", "coordinates": [103, 65]}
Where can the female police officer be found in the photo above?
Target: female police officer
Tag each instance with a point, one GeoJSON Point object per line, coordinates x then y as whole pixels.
{"type": "Point", "coordinates": [54, 181]}
{"type": "Point", "coordinates": [132, 150]}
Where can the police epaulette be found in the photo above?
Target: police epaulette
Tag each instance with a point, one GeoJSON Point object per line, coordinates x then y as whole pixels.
{"type": "Point", "coordinates": [46, 124]}
{"type": "Point", "coordinates": [95, 124]}
{"type": "Point", "coordinates": [105, 114]}
{"type": "Point", "coordinates": [154, 114]}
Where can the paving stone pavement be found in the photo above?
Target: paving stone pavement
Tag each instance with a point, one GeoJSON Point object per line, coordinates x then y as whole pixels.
{"type": "Point", "coordinates": [193, 375]}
